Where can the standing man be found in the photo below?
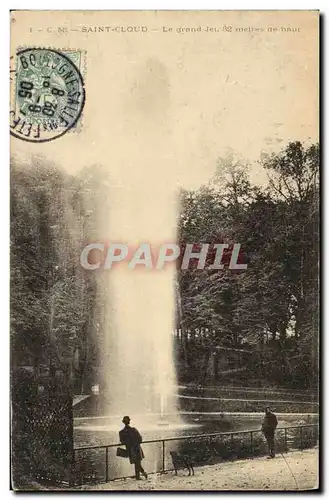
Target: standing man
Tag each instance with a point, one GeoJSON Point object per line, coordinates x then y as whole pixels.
{"type": "Point", "coordinates": [269, 425]}
{"type": "Point", "coordinates": [132, 439]}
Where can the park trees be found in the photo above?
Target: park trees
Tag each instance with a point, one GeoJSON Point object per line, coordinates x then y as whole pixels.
{"type": "Point", "coordinates": [51, 297]}
{"type": "Point", "coordinates": [274, 303]}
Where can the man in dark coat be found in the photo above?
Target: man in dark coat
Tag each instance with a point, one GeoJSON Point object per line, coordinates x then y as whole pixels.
{"type": "Point", "coordinates": [130, 437]}
{"type": "Point", "coordinates": [269, 425]}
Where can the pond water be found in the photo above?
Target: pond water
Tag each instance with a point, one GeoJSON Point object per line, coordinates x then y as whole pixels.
{"type": "Point", "coordinates": [100, 431]}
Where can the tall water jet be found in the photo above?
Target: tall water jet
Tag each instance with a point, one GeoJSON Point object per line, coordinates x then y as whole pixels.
{"type": "Point", "coordinates": [140, 371]}
{"type": "Point", "coordinates": [138, 368]}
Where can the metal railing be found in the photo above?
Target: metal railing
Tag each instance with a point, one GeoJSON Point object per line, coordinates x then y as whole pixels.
{"type": "Point", "coordinates": [285, 436]}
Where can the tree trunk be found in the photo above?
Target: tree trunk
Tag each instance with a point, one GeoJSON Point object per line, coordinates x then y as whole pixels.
{"type": "Point", "coordinates": [181, 322]}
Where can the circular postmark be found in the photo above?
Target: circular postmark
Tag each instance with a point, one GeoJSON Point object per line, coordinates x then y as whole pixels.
{"type": "Point", "coordinates": [48, 95]}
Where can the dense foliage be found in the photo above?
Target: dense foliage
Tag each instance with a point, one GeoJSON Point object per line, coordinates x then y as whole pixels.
{"type": "Point", "coordinates": [55, 304]}
{"type": "Point", "coordinates": [271, 309]}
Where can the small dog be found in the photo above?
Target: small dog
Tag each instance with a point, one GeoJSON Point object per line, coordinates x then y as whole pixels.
{"type": "Point", "coordinates": [180, 462]}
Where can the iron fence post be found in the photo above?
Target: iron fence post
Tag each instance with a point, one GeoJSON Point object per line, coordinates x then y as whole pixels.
{"type": "Point", "coordinates": [285, 439]}
{"type": "Point", "coordinates": [251, 433]}
{"type": "Point", "coordinates": [163, 455]}
{"type": "Point", "coordinates": [106, 464]}
{"type": "Point", "coordinates": [301, 437]}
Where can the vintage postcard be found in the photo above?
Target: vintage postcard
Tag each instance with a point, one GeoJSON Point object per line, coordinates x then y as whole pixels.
{"type": "Point", "coordinates": [164, 250]}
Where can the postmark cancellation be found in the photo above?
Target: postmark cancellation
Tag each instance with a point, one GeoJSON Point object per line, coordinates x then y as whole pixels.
{"type": "Point", "coordinates": [47, 93]}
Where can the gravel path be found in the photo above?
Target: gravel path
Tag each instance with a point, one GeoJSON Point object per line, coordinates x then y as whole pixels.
{"type": "Point", "coordinates": [255, 474]}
